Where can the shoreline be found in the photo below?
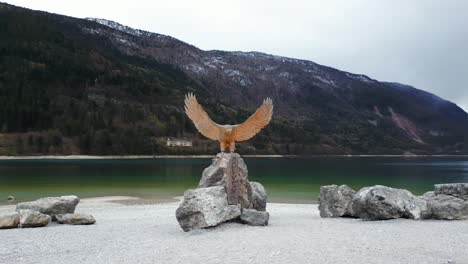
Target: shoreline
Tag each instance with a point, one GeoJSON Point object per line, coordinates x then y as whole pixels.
{"type": "Point", "coordinates": [154, 200]}
{"type": "Point", "coordinates": [130, 157]}
{"type": "Point", "coordinates": [135, 201]}
{"type": "Point", "coordinates": [150, 233]}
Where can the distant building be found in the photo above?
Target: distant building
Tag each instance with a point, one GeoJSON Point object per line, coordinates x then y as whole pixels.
{"type": "Point", "coordinates": [179, 142]}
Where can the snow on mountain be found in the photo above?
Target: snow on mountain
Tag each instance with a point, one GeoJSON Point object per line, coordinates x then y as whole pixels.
{"type": "Point", "coordinates": [126, 29]}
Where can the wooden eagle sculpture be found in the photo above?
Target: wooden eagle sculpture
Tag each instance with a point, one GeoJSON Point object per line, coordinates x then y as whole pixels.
{"type": "Point", "coordinates": [227, 135]}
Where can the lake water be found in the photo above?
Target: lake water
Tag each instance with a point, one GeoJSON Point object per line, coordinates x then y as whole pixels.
{"type": "Point", "coordinates": [286, 179]}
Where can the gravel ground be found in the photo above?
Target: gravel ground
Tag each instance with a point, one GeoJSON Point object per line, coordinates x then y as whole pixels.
{"type": "Point", "coordinates": [296, 234]}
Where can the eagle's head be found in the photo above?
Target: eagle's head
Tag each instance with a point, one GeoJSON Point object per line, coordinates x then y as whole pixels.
{"type": "Point", "coordinates": [228, 130]}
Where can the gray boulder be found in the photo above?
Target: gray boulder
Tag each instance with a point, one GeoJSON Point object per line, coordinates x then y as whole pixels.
{"type": "Point", "coordinates": [51, 205]}
{"type": "Point", "coordinates": [254, 218]}
{"type": "Point", "coordinates": [446, 207]}
{"type": "Point", "coordinates": [29, 218]}
{"type": "Point", "coordinates": [76, 219]}
{"type": "Point", "coordinates": [381, 202]}
{"type": "Point", "coordinates": [205, 207]}
{"type": "Point", "coordinates": [11, 198]}
{"type": "Point", "coordinates": [9, 221]}
{"type": "Point", "coordinates": [335, 201]}
{"type": "Point", "coordinates": [459, 190]}
{"type": "Point", "coordinates": [259, 197]}
{"type": "Point", "coordinates": [229, 170]}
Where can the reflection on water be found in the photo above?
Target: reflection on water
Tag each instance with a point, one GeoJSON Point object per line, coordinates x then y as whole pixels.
{"type": "Point", "coordinates": [286, 179]}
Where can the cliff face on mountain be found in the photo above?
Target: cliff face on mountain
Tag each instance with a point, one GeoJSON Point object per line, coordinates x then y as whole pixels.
{"type": "Point", "coordinates": [92, 86]}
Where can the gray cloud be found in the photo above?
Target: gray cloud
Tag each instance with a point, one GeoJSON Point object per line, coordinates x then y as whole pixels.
{"type": "Point", "coordinates": [421, 42]}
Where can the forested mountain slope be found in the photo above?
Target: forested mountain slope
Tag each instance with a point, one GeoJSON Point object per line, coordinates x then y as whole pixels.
{"type": "Point", "coordinates": [92, 86]}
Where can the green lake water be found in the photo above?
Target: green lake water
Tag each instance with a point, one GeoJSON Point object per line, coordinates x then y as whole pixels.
{"type": "Point", "coordinates": [294, 180]}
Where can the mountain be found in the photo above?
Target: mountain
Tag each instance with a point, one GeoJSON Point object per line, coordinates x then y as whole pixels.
{"type": "Point", "coordinates": [93, 86]}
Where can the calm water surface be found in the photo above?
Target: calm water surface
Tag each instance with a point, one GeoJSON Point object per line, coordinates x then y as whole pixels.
{"type": "Point", "coordinates": [286, 179]}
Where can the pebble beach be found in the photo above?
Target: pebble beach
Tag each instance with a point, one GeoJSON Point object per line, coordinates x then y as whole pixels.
{"type": "Point", "coordinates": [129, 232]}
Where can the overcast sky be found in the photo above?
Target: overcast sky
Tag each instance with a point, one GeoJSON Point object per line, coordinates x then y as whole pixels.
{"type": "Point", "coordinates": [423, 43]}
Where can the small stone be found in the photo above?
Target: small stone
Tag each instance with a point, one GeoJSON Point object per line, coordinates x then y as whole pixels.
{"type": "Point", "coordinates": [254, 218]}
{"type": "Point", "coordinates": [459, 190]}
{"type": "Point", "coordinates": [76, 219]}
{"type": "Point", "coordinates": [335, 201]}
{"type": "Point", "coordinates": [29, 218]}
{"type": "Point", "coordinates": [51, 205]}
{"type": "Point", "coordinates": [382, 202]}
{"type": "Point", "coordinates": [445, 207]}
{"type": "Point", "coordinates": [11, 198]}
{"type": "Point", "coordinates": [9, 221]}
{"type": "Point", "coordinates": [259, 197]}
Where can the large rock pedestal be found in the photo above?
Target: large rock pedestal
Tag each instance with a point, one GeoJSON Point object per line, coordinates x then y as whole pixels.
{"type": "Point", "coordinates": [230, 171]}
{"type": "Point", "coordinates": [224, 192]}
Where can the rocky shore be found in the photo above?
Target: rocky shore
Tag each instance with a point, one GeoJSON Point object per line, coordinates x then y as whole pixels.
{"type": "Point", "coordinates": [296, 234]}
{"type": "Point", "coordinates": [446, 202]}
{"type": "Point", "coordinates": [375, 224]}
{"type": "Point", "coordinates": [41, 212]}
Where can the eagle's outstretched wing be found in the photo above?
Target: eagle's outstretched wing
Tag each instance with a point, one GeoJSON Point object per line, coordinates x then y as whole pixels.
{"type": "Point", "coordinates": [200, 118]}
{"type": "Point", "coordinates": [255, 123]}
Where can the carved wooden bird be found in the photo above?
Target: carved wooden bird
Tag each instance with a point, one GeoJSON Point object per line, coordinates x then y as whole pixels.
{"type": "Point", "coordinates": [227, 135]}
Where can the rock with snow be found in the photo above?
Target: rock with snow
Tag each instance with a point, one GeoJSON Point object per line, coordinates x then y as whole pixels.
{"type": "Point", "coordinates": [205, 207]}
{"type": "Point", "coordinates": [459, 190]}
{"type": "Point", "coordinates": [9, 220]}
{"type": "Point", "coordinates": [259, 197]}
{"type": "Point", "coordinates": [51, 205]}
{"type": "Point", "coordinates": [381, 202]}
{"type": "Point", "coordinates": [446, 207]}
{"type": "Point", "coordinates": [76, 219]}
{"type": "Point", "coordinates": [335, 201]}
{"type": "Point", "coordinates": [30, 218]}
{"type": "Point", "coordinates": [229, 170]}
{"type": "Point", "coordinates": [254, 218]}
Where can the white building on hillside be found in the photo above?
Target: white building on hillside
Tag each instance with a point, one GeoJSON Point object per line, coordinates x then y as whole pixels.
{"type": "Point", "coordinates": [179, 142]}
